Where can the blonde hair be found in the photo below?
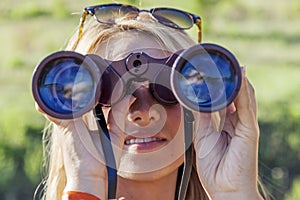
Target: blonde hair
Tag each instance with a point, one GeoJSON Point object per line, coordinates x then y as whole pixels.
{"type": "Point", "coordinates": [95, 33]}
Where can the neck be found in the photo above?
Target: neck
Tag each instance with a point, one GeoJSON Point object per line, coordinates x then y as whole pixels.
{"type": "Point", "coordinates": [161, 189]}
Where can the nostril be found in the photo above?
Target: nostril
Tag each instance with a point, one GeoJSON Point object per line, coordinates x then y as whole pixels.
{"type": "Point", "coordinates": [141, 121]}
{"type": "Point", "coordinates": [154, 113]}
{"type": "Point", "coordinates": [138, 119]}
{"type": "Point", "coordinates": [152, 118]}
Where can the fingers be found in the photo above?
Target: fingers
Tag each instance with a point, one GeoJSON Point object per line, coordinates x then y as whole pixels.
{"type": "Point", "coordinates": [242, 111]}
{"type": "Point", "coordinates": [252, 97]}
{"type": "Point", "coordinates": [52, 119]}
{"type": "Point", "coordinates": [87, 132]}
{"type": "Point", "coordinates": [243, 101]}
{"type": "Point", "coordinates": [59, 122]}
{"type": "Point", "coordinates": [246, 107]}
{"type": "Point", "coordinates": [80, 131]}
{"type": "Point", "coordinates": [83, 163]}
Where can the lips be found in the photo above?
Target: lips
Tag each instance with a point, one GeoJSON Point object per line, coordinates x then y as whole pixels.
{"type": "Point", "coordinates": [144, 144]}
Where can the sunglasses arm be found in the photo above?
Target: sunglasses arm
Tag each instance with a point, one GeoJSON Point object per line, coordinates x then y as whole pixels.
{"type": "Point", "coordinates": [81, 24]}
{"type": "Point", "coordinates": [198, 23]}
{"type": "Point", "coordinates": [82, 20]}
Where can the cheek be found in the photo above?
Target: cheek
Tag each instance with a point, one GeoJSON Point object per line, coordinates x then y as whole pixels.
{"type": "Point", "coordinates": [116, 115]}
{"type": "Point", "coordinates": [106, 111]}
{"type": "Point", "coordinates": [174, 122]}
{"type": "Point", "coordinates": [108, 114]}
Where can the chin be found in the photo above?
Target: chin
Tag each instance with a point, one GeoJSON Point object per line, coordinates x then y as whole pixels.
{"type": "Point", "coordinates": [130, 172]}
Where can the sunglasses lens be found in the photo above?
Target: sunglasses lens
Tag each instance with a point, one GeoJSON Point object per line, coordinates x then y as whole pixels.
{"type": "Point", "coordinates": [173, 18]}
{"type": "Point", "coordinates": [109, 13]}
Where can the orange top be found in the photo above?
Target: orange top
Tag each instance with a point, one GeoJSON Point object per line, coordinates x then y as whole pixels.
{"type": "Point", "coordinates": [76, 195]}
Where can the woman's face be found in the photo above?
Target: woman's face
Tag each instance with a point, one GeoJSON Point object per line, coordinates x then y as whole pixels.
{"type": "Point", "coordinates": [153, 132]}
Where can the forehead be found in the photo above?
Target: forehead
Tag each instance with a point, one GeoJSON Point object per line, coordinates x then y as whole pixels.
{"type": "Point", "coordinates": [121, 44]}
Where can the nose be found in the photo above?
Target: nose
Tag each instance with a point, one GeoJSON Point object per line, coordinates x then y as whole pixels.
{"type": "Point", "coordinates": [143, 111]}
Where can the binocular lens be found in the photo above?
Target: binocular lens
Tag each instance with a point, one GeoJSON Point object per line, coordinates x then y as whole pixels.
{"type": "Point", "coordinates": [207, 78]}
{"type": "Point", "coordinates": [65, 86]}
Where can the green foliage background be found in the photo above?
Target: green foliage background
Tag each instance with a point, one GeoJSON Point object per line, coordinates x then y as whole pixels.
{"type": "Point", "coordinates": [264, 35]}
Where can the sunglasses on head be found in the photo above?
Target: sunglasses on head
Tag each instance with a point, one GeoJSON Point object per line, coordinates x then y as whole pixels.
{"type": "Point", "coordinates": [110, 13]}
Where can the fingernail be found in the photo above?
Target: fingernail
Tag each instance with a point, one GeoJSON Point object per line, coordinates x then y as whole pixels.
{"type": "Point", "coordinates": [243, 69]}
{"type": "Point", "coordinates": [231, 108]}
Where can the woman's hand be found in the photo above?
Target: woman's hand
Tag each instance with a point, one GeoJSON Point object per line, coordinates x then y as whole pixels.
{"type": "Point", "coordinates": [227, 152]}
{"type": "Point", "coordinates": [84, 164]}
{"type": "Point", "coordinates": [82, 154]}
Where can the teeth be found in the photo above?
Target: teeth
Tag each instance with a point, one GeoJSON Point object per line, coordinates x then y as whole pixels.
{"type": "Point", "coordinates": [141, 140]}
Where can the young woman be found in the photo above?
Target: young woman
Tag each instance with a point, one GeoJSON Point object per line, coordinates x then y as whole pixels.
{"type": "Point", "coordinates": [148, 136]}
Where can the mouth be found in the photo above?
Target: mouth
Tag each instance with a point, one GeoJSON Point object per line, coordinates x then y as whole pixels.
{"type": "Point", "coordinates": [144, 144]}
{"type": "Point", "coordinates": [142, 140]}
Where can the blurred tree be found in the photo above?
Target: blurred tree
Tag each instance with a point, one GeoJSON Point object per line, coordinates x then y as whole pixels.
{"type": "Point", "coordinates": [60, 8]}
{"type": "Point", "coordinates": [280, 151]}
{"type": "Point", "coordinates": [294, 194]}
{"type": "Point", "coordinates": [18, 179]}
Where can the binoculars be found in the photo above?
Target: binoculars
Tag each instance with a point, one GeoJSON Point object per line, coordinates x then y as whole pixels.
{"type": "Point", "coordinates": [204, 78]}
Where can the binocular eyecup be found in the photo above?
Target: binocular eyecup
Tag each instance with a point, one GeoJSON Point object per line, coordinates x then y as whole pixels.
{"type": "Point", "coordinates": [203, 78]}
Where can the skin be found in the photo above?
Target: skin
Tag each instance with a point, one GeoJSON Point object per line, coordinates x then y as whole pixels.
{"type": "Point", "coordinates": [226, 157]}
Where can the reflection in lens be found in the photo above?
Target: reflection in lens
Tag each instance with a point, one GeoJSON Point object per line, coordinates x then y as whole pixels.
{"type": "Point", "coordinates": [207, 80]}
{"type": "Point", "coordinates": [67, 87]}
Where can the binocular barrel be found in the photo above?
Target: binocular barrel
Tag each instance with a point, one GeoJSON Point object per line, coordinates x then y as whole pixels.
{"type": "Point", "coordinates": [203, 78]}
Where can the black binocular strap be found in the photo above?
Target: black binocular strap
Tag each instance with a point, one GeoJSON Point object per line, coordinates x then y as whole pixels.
{"type": "Point", "coordinates": [108, 152]}
{"type": "Point", "coordinates": [188, 154]}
